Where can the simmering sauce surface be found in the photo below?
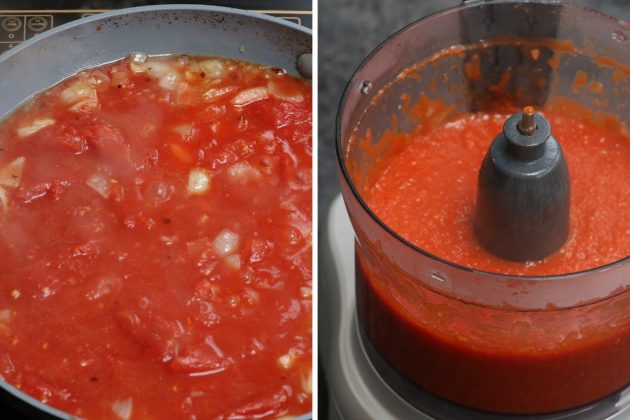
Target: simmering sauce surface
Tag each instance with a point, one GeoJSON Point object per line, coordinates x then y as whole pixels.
{"type": "Point", "coordinates": [155, 242]}
{"type": "Point", "coordinates": [501, 360]}
{"type": "Point", "coordinates": [427, 194]}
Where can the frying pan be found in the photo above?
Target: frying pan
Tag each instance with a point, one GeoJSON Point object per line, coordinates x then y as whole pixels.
{"type": "Point", "coordinates": [166, 29]}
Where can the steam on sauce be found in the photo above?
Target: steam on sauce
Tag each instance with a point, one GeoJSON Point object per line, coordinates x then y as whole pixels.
{"type": "Point", "coordinates": [155, 241]}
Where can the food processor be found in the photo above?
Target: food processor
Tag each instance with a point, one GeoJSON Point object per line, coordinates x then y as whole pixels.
{"type": "Point", "coordinates": [380, 361]}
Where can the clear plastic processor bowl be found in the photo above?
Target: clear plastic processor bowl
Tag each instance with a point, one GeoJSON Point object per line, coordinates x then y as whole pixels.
{"type": "Point", "coordinates": [532, 344]}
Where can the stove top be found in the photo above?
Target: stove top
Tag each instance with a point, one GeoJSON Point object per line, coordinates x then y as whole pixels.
{"type": "Point", "coordinates": [361, 384]}
{"type": "Point", "coordinates": [22, 20]}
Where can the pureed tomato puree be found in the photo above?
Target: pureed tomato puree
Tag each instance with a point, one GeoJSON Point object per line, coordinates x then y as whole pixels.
{"type": "Point", "coordinates": [156, 242]}
{"type": "Point", "coordinates": [493, 359]}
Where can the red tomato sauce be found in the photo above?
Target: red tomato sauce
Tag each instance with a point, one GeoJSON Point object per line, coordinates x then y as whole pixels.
{"type": "Point", "coordinates": [155, 242]}
{"type": "Point", "coordinates": [491, 359]}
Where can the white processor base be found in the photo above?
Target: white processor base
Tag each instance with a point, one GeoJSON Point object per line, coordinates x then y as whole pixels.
{"type": "Point", "coordinates": [356, 390]}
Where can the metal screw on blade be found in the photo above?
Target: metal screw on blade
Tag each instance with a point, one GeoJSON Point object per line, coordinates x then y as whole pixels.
{"type": "Point", "coordinates": [527, 125]}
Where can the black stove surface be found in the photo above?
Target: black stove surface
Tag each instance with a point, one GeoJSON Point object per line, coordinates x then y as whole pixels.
{"type": "Point", "coordinates": [21, 20]}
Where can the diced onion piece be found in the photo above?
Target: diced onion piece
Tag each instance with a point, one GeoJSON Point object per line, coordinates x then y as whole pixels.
{"type": "Point", "coordinates": [186, 131]}
{"type": "Point", "coordinates": [216, 93]}
{"type": "Point", "coordinates": [249, 96]}
{"type": "Point", "coordinates": [106, 285]}
{"type": "Point", "coordinates": [307, 382]}
{"type": "Point", "coordinates": [233, 261]}
{"type": "Point", "coordinates": [170, 80]}
{"type": "Point", "coordinates": [137, 67]}
{"type": "Point", "coordinates": [243, 172]}
{"type": "Point", "coordinates": [306, 292]}
{"type": "Point", "coordinates": [186, 94]}
{"type": "Point", "coordinates": [100, 184]}
{"type": "Point", "coordinates": [286, 361]}
{"type": "Point", "coordinates": [183, 129]}
{"type": "Point", "coordinates": [190, 76]}
{"type": "Point", "coordinates": [193, 66]}
{"type": "Point", "coordinates": [213, 69]}
{"type": "Point", "coordinates": [267, 135]}
{"type": "Point", "coordinates": [11, 174]}
{"type": "Point", "coordinates": [35, 126]}
{"type": "Point", "coordinates": [182, 61]}
{"type": "Point", "coordinates": [290, 95]}
{"type": "Point", "coordinates": [192, 72]}
{"type": "Point", "coordinates": [4, 202]}
{"type": "Point", "coordinates": [198, 247]}
{"type": "Point", "coordinates": [85, 105]}
{"type": "Point", "coordinates": [5, 316]}
{"type": "Point", "coordinates": [157, 192]}
{"type": "Point", "coordinates": [120, 78]}
{"type": "Point", "coordinates": [138, 62]}
{"type": "Point", "coordinates": [77, 92]}
{"type": "Point", "coordinates": [226, 242]}
{"type": "Point", "coordinates": [212, 113]}
{"type": "Point", "coordinates": [198, 181]}
{"type": "Point", "coordinates": [168, 240]}
{"type": "Point", "coordinates": [139, 57]}
{"type": "Point", "coordinates": [158, 68]}
{"type": "Point", "coordinates": [252, 297]}
{"type": "Point", "coordinates": [99, 79]}
{"type": "Point", "coordinates": [123, 408]}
